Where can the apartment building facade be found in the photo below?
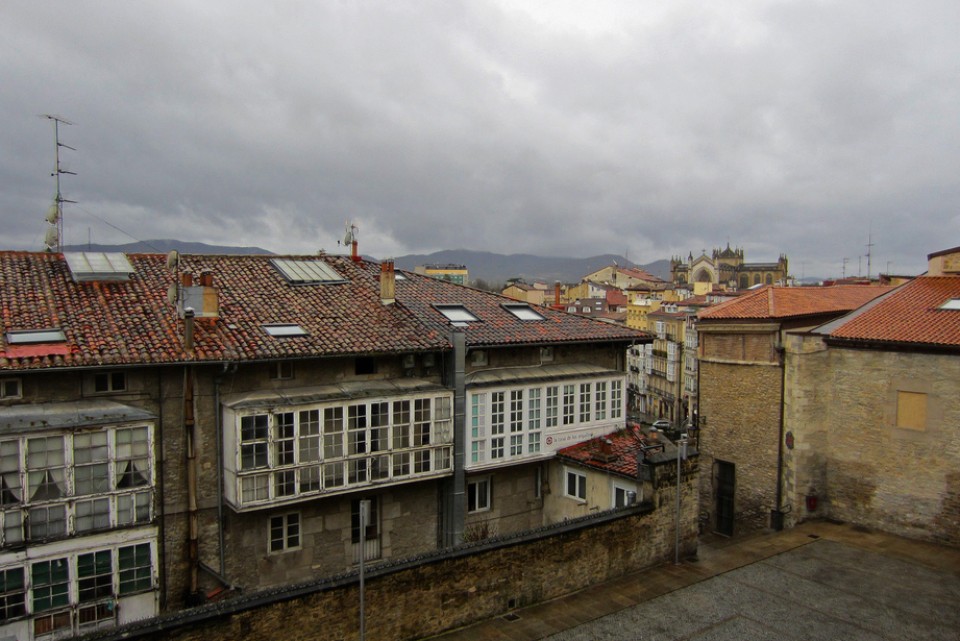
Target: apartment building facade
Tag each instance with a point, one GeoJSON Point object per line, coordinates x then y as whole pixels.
{"type": "Point", "coordinates": [178, 429]}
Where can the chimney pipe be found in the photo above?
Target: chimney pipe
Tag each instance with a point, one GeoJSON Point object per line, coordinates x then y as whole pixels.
{"type": "Point", "coordinates": [354, 255]}
{"type": "Point", "coordinates": [186, 279]}
{"type": "Point", "coordinates": [556, 293]}
{"type": "Point", "coordinates": [206, 278]}
{"type": "Point", "coordinates": [388, 283]}
{"type": "Point", "coordinates": [188, 315]}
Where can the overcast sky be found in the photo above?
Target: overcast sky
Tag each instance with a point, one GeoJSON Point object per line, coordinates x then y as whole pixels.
{"type": "Point", "coordinates": [552, 128]}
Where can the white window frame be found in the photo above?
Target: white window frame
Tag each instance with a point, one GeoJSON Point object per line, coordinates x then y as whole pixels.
{"type": "Point", "coordinates": [284, 533]}
{"type": "Point", "coordinates": [480, 491]}
{"type": "Point", "coordinates": [352, 443]}
{"type": "Point", "coordinates": [621, 486]}
{"type": "Point", "coordinates": [580, 484]}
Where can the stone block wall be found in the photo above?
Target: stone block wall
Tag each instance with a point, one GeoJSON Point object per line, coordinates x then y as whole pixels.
{"type": "Point", "coordinates": [842, 411]}
{"type": "Point", "coordinates": [447, 589]}
{"type": "Point", "coordinates": [741, 404]}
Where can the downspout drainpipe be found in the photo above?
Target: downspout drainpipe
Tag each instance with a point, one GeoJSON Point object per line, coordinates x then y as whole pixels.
{"type": "Point", "coordinates": [778, 516]}
{"type": "Point", "coordinates": [459, 434]}
{"type": "Point", "coordinates": [193, 518]}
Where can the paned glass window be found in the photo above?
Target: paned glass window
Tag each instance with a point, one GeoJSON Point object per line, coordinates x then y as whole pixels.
{"type": "Point", "coordinates": [552, 405]}
{"type": "Point", "coordinates": [332, 432]}
{"type": "Point", "coordinates": [309, 436]}
{"type": "Point", "coordinates": [133, 459]}
{"type": "Point", "coordinates": [421, 422]}
{"type": "Point", "coordinates": [401, 424]}
{"type": "Point", "coordinates": [136, 568]}
{"type": "Point", "coordinates": [46, 472]}
{"type": "Point", "coordinates": [576, 485]}
{"type": "Point", "coordinates": [569, 402]}
{"type": "Point", "coordinates": [93, 514]}
{"type": "Point", "coordinates": [478, 495]}
{"type": "Point", "coordinates": [253, 441]}
{"type": "Point", "coordinates": [285, 532]}
{"type": "Point", "coordinates": [285, 439]}
{"type": "Point", "coordinates": [94, 576]}
{"type": "Point", "coordinates": [601, 404]}
{"type": "Point", "coordinates": [91, 472]}
{"type": "Point", "coordinates": [586, 401]}
{"type": "Point", "coordinates": [616, 399]}
{"type": "Point", "coordinates": [51, 583]}
{"type": "Point", "coordinates": [13, 594]}
{"type": "Point", "coordinates": [356, 429]}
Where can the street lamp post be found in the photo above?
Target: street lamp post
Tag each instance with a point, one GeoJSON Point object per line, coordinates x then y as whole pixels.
{"type": "Point", "coordinates": [681, 454]}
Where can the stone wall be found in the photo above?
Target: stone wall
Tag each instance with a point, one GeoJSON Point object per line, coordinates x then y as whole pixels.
{"type": "Point", "coordinates": [447, 589]}
{"type": "Point", "coordinates": [741, 403]}
{"type": "Point", "coordinates": [841, 409]}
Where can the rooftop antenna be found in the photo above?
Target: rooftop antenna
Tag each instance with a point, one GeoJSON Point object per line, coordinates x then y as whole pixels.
{"type": "Point", "coordinates": [53, 240]}
{"type": "Point", "coordinates": [843, 270]}
{"type": "Point", "coordinates": [350, 238]}
{"type": "Point", "coordinates": [869, 251]}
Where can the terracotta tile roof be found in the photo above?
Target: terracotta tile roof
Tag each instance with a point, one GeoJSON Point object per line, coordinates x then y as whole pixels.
{"type": "Point", "coordinates": [132, 322]}
{"type": "Point", "coordinates": [497, 326]}
{"type": "Point", "coordinates": [793, 302]}
{"type": "Point", "coordinates": [640, 274]}
{"type": "Point", "coordinates": [909, 314]}
{"type": "Point", "coordinates": [621, 455]}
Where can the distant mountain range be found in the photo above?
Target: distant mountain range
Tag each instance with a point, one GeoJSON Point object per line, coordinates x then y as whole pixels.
{"type": "Point", "coordinates": [165, 245]}
{"type": "Point", "coordinates": [487, 266]}
{"type": "Point", "coordinates": [497, 268]}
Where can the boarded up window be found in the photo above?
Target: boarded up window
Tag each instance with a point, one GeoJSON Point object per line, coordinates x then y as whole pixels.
{"type": "Point", "coordinates": [912, 410]}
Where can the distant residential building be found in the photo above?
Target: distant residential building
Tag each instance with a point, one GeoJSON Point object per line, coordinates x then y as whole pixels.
{"type": "Point", "coordinates": [526, 293]}
{"type": "Point", "coordinates": [451, 273]}
{"type": "Point", "coordinates": [623, 277]}
{"type": "Point", "coordinates": [727, 267]}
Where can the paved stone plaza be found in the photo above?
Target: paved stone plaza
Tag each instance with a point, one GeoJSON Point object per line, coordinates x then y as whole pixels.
{"type": "Point", "coordinates": [817, 581]}
{"type": "Point", "coordinates": [825, 590]}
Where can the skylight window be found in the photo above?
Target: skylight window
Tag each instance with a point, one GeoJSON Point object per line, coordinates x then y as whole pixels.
{"type": "Point", "coordinates": [953, 303]}
{"type": "Point", "coordinates": [29, 336]}
{"type": "Point", "coordinates": [457, 313]}
{"type": "Point", "coordinates": [284, 331]}
{"type": "Point", "coordinates": [524, 312]}
{"type": "Point", "coordinates": [306, 272]}
{"type": "Point", "coordinates": [94, 266]}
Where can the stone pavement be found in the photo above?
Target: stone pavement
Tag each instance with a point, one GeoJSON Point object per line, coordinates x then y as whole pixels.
{"type": "Point", "coordinates": [819, 580]}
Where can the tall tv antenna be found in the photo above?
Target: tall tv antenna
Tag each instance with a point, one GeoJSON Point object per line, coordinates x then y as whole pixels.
{"type": "Point", "coordinates": [869, 251]}
{"type": "Point", "coordinates": [53, 240]}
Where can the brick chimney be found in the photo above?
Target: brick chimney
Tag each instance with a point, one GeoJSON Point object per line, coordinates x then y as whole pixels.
{"type": "Point", "coordinates": [388, 283]}
{"type": "Point", "coordinates": [556, 294]}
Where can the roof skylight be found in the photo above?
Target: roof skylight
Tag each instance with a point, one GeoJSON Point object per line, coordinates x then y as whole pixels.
{"type": "Point", "coordinates": [284, 331]}
{"type": "Point", "coordinates": [457, 313]}
{"type": "Point", "coordinates": [93, 266]}
{"type": "Point", "coordinates": [29, 336]}
{"type": "Point", "coordinates": [305, 272]}
{"type": "Point", "coordinates": [523, 311]}
{"type": "Point", "coordinates": [953, 303]}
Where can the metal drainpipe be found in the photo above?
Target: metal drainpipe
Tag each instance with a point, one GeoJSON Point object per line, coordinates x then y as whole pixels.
{"type": "Point", "coordinates": [193, 521]}
{"type": "Point", "coordinates": [159, 459]}
{"type": "Point", "coordinates": [783, 384]}
{"type": "Point", "coordinates": [459, 434]}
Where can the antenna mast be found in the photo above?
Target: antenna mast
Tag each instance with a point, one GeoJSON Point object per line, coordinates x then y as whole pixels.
{"type": "Point", "coordinates": [869, 252]}
{"type": "Point", "coordinates": [54, 236]}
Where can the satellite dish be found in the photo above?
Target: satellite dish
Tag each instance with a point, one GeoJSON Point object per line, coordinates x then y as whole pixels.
{"type": "Point", "coordinates": [172, 293]}
{"type": "Point", "coordinates": [173, 260]}
{"type": "Point", "coordinates": [53, 214]}
{"type": "Point", "coordinates": [348, 239]}
{"type": "Point", "coordinates": [51, 238]}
